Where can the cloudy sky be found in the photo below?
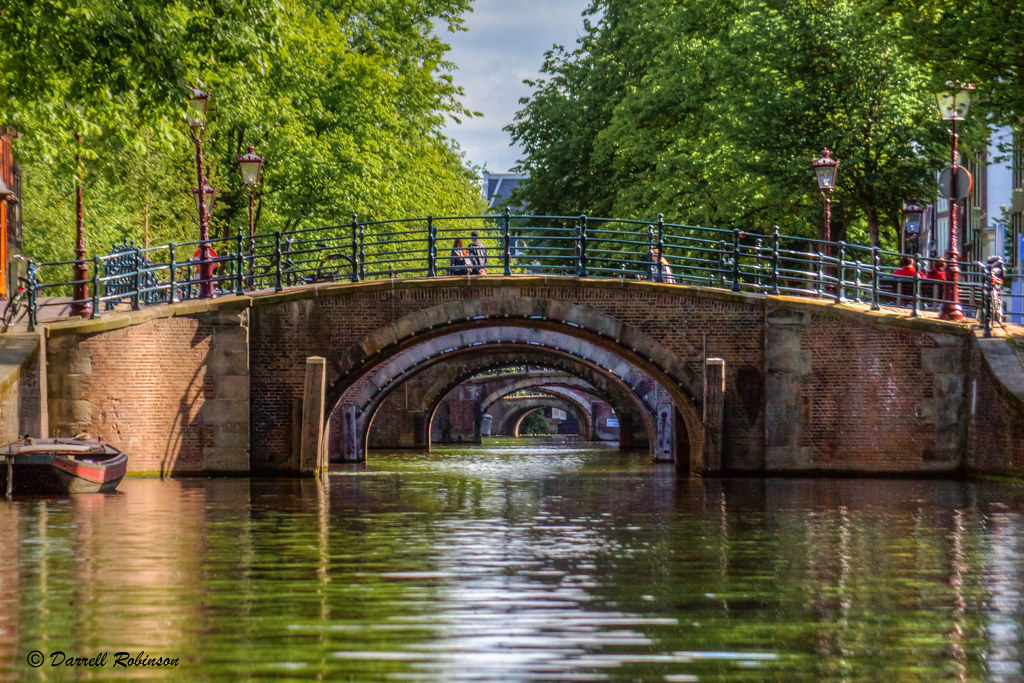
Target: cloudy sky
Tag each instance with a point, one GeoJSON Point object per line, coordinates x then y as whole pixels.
{"type": "Point", "coordinates": [504, 44]}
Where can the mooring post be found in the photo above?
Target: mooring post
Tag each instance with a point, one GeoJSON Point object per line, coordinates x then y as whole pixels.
{"type": "Point", "coordinates": [311, 449]}
{"type": "Point", "coordinates": [710, 461]}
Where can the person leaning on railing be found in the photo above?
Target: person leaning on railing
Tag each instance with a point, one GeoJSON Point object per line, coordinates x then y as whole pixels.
{"type": "Point", "coordinates": [937, 273]}
{"type": "Point", "coordinates": [661, 270]}
{"type": "Point", "coordinates": [477, 255]}
{"type": "Point", "coordinates": [905, 275]}
{"type": "Point", "coordinates": [459, 259]}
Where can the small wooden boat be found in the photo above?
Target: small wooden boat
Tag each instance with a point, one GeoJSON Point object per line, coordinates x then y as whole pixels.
{"type": "Point", "coordinates": [80, 465]}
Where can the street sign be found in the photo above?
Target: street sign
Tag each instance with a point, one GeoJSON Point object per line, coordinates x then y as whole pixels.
{"type": "Point", "coordinates": [964, 182]}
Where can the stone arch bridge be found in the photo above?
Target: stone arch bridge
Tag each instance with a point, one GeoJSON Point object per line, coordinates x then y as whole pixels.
{"type": "Point", "coordinates": [712, 380]}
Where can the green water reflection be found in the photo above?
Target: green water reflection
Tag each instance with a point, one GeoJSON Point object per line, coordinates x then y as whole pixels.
{"type": "Point", "coordinates": [519, 562]}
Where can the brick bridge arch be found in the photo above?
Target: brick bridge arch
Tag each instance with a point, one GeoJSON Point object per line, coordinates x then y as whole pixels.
{"type": "Point", "coordinates": [627, 405]}
{"type": "Point", "coordinates": [364, 398]}
{"type": "Point", "coordinates": [571, 389]}
{"type": "Point", "coordinates": [369, 370]}
{"type": "Point", "coordinates": [510, 420]}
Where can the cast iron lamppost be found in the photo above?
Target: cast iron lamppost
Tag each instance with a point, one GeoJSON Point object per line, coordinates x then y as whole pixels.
{"type": "Point", "coordinates": [81, 306]}
{"type": "Point", "coordinates": [251, 164]}
{"type": "Point", "coordinates": [953, 105]}
{"type": "Point", "coordinates": [825, 169]}
{"type": "Point", "coordinates": [913, 220]}
{"type": "Point", "coordinates": [196, 119]}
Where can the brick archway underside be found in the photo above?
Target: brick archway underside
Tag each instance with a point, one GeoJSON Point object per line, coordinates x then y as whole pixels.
{"type": "Point", "coordinates": [361, 389]}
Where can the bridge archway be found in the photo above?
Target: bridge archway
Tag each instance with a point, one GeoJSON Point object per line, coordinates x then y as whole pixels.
{"type": "Point", "coordinates": [626, 405]}
{"type": "Point", "coordinates": [507, 423]}
{"type": "Point", "coordinates": [370, 370]}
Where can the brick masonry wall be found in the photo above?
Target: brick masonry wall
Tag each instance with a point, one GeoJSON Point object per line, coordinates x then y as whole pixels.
{"type": "Point", "coordinates": [172, 392]}
{"type": "Point", "coordinates": [997, 410]}
{"type": "Point", "coordinates": [810, 386]}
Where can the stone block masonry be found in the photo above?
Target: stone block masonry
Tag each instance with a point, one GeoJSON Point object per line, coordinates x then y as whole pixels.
{"type": "Point", "coordinates": [168, 385]}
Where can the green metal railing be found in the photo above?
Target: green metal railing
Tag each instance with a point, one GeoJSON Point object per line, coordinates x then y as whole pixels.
{"type": "Point", "coordinates": [577, 246]}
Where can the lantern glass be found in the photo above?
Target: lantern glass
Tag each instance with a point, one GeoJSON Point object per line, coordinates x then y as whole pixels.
{"type": "Point", "coordinates": [250, 164]}
{"type": "Point", "coordinates": [197, 103]}
{"type": "Point", "coordinates": [210, 194]}
{"type": "Point", "coordinates": [825, 169]}
{"type": "Point", "coordinates": [913, 214]}
{"type": "Point", "coordinates": [953, 104]}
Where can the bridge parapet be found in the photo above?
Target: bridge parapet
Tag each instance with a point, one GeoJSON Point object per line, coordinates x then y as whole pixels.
{"type": "Point", "coordinates": [513, 245]}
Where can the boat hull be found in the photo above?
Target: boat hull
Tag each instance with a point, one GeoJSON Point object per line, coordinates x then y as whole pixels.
{"type": "Point", "coordinates": [52, 466]}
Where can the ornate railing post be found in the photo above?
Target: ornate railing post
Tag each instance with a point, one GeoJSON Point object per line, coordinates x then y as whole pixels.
{"type": "Point", "coordinates": [33, 285]}
{"type": "Point", "coordinates": [986, 301]}
{"type": "Point", "coordinates": [355, 248]}
{"type": "Point", "coordinates": [651, 272]}
{"type": "Point", "coordinates": [736, 234]}
{"type": "Point", "coordinates": [856, 280]}
{"type": "Point", "coordinates": [915, 300]}
{"type": "Point", "coordinates": [240, 264]}
{"type": "Point", "coordinates": [721, 264]}
{"type": "Point", "coordinates": [172, 294]}
{"type": "Point", "coordinates": [876, 262]}
{"type": "Point", "coordinates": [819, 276]}
{"type": "Point", "coordinates": [362, 251]}
{"type": "Point", "coordinates": [659, 246]}
{"type": "Point", "coordinates": [95, 286]}
{"type": "Point", "coordinates": [581, 247]}
{"type": "Point", "coordinates": [431, 247]}
{"type": "Point", "coordinates": [758, 277]}
{"type": "Point", "coordinates": [137, 294]}
{"type": "Point", "coordinates": [775, 259]}
{"type": "Point", "coordinates": [277, 261]}
{"type": "Point", "coordinates": [506, 242]}
{"type": "Point", "coordinates": [841, 271]}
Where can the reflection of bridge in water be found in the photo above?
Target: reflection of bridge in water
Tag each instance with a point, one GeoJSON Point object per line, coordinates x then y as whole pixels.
{"type": "Point", "coordinates": [722, 370]}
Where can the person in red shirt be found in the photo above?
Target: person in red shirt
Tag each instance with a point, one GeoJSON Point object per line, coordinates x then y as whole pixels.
{"type": "Point", "coordinates": [904, 281]}
{"type": "Point", "coordinates": [937, 272]}
{"type": "Point", "coordinates": [205, 271]}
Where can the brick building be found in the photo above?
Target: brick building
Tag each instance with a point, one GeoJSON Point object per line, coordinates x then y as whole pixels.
{"type": "Point", "coordinates": [10, 211]}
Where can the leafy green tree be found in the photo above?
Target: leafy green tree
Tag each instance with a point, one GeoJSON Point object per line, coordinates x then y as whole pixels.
{"type": "Point", "coordinates": [344, 99]}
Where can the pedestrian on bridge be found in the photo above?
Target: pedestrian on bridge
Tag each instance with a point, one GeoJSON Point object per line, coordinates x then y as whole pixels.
{"type": "Point", "coordinates": [459, 259]}
{"type": "Point", "coordinates": [477, 255]}
{"type": "Point", "coordinates": [661, 270]}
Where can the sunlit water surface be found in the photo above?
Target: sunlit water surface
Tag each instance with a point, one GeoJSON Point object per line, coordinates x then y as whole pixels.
{"type": "Point", "coordinates": [518, 563]}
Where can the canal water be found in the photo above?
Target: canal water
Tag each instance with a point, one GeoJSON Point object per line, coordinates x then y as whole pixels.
{"type": "Point", "coordinates": [516, 562]}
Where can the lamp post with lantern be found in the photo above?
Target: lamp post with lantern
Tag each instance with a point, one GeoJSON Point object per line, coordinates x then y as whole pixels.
{"type": "Point", "coordinates": [913, 222]}
{"type": "Point", "coordinates": [825, 169]}
{"type": "Point", "coordinates": [81, 305]}
{"type": "Point", "coordinates": [196, 119]}
{"type": "Point", "coordinates": [953, 105]}
{"type": "Point", "coordinates": [250, 164]}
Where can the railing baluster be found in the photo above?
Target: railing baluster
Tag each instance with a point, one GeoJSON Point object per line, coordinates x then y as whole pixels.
{"type": "Point", "coordinates": [915, 300]}
{"type": "Point", "coordinates": [33, 300]}
{"type": "Point", "coordinates": [721, 264]}
{"type": "Point", "coordinates": [581, 247]}
{"type": "Point", "coordinates": [95, 287]}
{"type": "Point", "coordinates": [506, 243]}
{"type": "Point", "coordinates": [775, 259]}
{"type": "Point", "coordinates": [736, 259]}
{"type": "Point", "coordinates": [355, 248]}
{"type": "Point", "coordinates": [137, 294]}
{"type": "Point", "coordinates": [172, 294]}
{"type": "Point", "coordinates": [362, 251]}
{"type": "Point", "coordinates": [277, 261]}
{"type": "Point", "coordinates": [240, 264]}
{"type": "Point", "coordinates": [660, 246]}
{"type": "Point", "coordinates": [841, 269]}
{"type": "Point", "coordinates": [876, 261]}
{"type": "Point", "coordinates": [431, 247]}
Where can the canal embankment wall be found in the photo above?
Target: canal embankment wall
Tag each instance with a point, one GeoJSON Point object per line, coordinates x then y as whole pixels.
{"type": "Point", "coordinates": [21, 369]}
{"type": "Point", "coordinates": [811, 387]}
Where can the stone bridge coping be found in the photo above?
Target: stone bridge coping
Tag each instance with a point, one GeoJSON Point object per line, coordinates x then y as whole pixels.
{"type": "Point", "coordinates": [505, 286]}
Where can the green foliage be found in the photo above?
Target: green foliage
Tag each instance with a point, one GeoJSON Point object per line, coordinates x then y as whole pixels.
{"type": "Point", "coordinates": [711, 113]}
{"type": "Point", "coordinates": [344, 99]}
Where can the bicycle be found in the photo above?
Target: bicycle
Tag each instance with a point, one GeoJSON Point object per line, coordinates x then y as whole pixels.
{"type": "Point", "coordinates": [18, 301]}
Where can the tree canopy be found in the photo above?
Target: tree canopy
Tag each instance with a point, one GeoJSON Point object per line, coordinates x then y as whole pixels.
{"type": "Point", "coordinates": [344, 98]}
{"type": "Point", "coordinates": [712, 112]}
